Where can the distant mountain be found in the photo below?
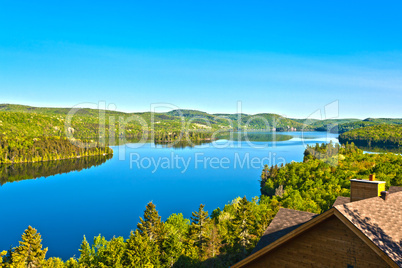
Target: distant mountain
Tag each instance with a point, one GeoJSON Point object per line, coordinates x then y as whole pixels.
{"type": "Point", "coordinates": [85, 121]}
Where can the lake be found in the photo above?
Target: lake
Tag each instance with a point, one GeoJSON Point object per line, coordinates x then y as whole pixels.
{"type": "Point", "coordinates": [67, 199]}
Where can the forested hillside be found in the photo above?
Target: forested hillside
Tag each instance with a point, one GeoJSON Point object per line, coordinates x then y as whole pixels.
{"type": "Point", "coordinates": [224, 236]}
{"type": "Point", "coordinates": [22, 125]}
{"type": "Point", "coordinates": [383, 135]}
{"type": "Point", "coordinates": [32, 121]}
{"type": "Point", "coordinates": [314, 184]}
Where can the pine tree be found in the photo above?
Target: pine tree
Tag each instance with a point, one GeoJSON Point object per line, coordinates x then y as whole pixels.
{"type": "Point", "coordinates": [172, 249]}
{"type": "Point", "coordinates": [151, 225]}
{"type": "Point", "coordinates": [173, 245]}
{"type": "Point", "coordinates": [86, 257]}
{"type": "Point", "coordinates": [243, 225]}
{"type": "Point", "coordinates": [214, 241]}
{"type": "Point", "coordinates": [112, 255]}
{"type": "Point", "coordinates": [140, 252]}
{"type": "Point", "coordinates": [198, 228]}
{"type": "Point", "coordinates": [29, 253]}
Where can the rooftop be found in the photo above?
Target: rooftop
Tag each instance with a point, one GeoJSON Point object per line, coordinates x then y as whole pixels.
{"type": "Point", "coordinates": [285, 221]}
{"type": "Point", "coordinates": [380, 220]}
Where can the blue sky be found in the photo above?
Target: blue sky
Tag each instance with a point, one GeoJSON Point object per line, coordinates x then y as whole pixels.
{"type": "Point", "coordinates": [290, 58]}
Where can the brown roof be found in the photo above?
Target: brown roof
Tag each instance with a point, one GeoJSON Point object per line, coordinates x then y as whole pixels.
{"type": "Point", "coordinates": [340, 200]}
{"type": "Point", "coordinates": [394, 189]}
{"type": "Point", "coordinates": [380, 220]}
{"type": "Point", "coordinates": [285, 221]}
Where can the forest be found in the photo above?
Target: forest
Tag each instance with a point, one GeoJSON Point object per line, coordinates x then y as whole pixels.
{"type": "Point", "coordinates": [385, 136]}
{"type": "Point", "coordinates": [25, 149]}
{"type": "Point", "coordinates": [227, 235]}
{"type": "Point", "coordinates": [29, 134]}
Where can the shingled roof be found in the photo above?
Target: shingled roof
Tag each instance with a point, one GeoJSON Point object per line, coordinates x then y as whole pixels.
{"type": "Point", "coordinates": [375, 219]}
{"type": "Point", "coordinates": [380, 220]}
{"type": "Point", "coordinates": [340, 200]}
{"type": "Point", "coordinates": [285, 221]}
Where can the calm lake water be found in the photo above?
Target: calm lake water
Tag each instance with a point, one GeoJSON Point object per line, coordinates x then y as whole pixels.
{"type": "Point", "coordinates": [90, 196]}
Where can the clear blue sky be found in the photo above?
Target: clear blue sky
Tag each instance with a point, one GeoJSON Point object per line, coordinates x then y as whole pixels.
{"type": "Point", "coordinates": [288, 57]}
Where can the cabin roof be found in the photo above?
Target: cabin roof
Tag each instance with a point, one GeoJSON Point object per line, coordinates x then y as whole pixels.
{"type": "Point", "coordinates": [285, 221]}
{"type": "Point", "coordinates": [380, 220]}
{"type": "Point", "coordinates": [375, 220]}
{"type": "Point", "coordinates": [340, 200]}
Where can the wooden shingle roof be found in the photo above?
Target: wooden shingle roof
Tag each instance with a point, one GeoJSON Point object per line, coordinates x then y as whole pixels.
{"type": "Point", "coordinates": [285, 221]}
{"type": "Point", "coordinates": [379, 220]}
{"type": "Point", "coordinates": [340, 200]}
{"type": "Point", "coordinates": [376, 221]}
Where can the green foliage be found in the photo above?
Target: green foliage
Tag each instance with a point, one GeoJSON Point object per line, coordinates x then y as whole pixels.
{"type": "Point", "coordinates": [198, 229]}
{"type": "Point", "coordinates": [314, 184]}
{"type": "Point", "coordinates": [29, 134]}
{"type": "Point", "coordinates": [229, 234]}
{"type": "Point", "coordinates": [140, 251]}
{"type": "Point", "coordinates": [385, 136]}
{"type": "Point", "coordinates": [71, 263]}
{"type": "Point", "coordinates": [21, 149]}
{"type": "Point", "coordinates": [173, 246]}
{"type": "Point", "coordinates": [29, 253]}
{"type": "Point", "coordinates": [86, 257]}
{"type": "Point", "coordinates": [151, 226]}
{"type": "Point", "coordinates": [102, 253]}
{"type": "Point", "coordinates": [2, 254]}
{"type": "Point", "coordinates": [54, 263]}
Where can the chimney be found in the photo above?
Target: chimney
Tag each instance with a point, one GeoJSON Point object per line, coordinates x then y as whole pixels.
{"type": "Point", "coordinates": [362, 189]}
{"type": "Point", "coordinates": [384, 195]}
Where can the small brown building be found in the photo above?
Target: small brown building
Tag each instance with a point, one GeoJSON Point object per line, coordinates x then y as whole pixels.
{"type": "Point", "coordinates": [366, 232]}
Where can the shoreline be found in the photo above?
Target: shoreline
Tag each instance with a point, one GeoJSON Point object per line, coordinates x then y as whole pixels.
{"type": "Point", "coordinates": [77, 157]}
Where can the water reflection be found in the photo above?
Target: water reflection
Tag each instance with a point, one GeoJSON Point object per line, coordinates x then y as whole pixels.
{"type": "Point", "coordinates": [380, 149]}
{"type": "Point", "coordinates": [181, 144]}
{"type": "Point", "coordinates": [254, 136]}
{"type": "Point", "coordinates": [26, 171]}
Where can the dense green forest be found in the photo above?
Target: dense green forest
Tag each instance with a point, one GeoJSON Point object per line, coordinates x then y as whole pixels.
{"type": "Point", "coordinates": [19, 120]}
{"type": "Point", "coordinates": [224, 236]}
{"type": "Point", "coordinates": [385, 136]}
{"type": "Point", "coordinates": [33, 170]}
{"type": "Point", "coordinates": [314, 184]}
{"type": "Point", "coordinates": [25, 149]}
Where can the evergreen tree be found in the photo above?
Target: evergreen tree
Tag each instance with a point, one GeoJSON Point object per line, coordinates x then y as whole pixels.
{"type": "Point", "coordinates": [198, 228]}
{"type": "Point", "coordinates": [173, 248]}
{"type": "Point", "coordinates": [112, 255]}
{"type": "Point", "coordinates": [214, 241]}
{"type": "Point", "coordinates": [140, 252]}
{"type": "Point", "coordinates": [29, 253]}
{"type": "Point", "coordinates": [151, 225]}
{"type": "Point", "coordinates": [173, 245]}
{"type": "Point", "coordinates": [85, 259]}
{"type": "Point", "coordinates": [98, 249]}
{"type": "Point", "coordinates": [243, 225]}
